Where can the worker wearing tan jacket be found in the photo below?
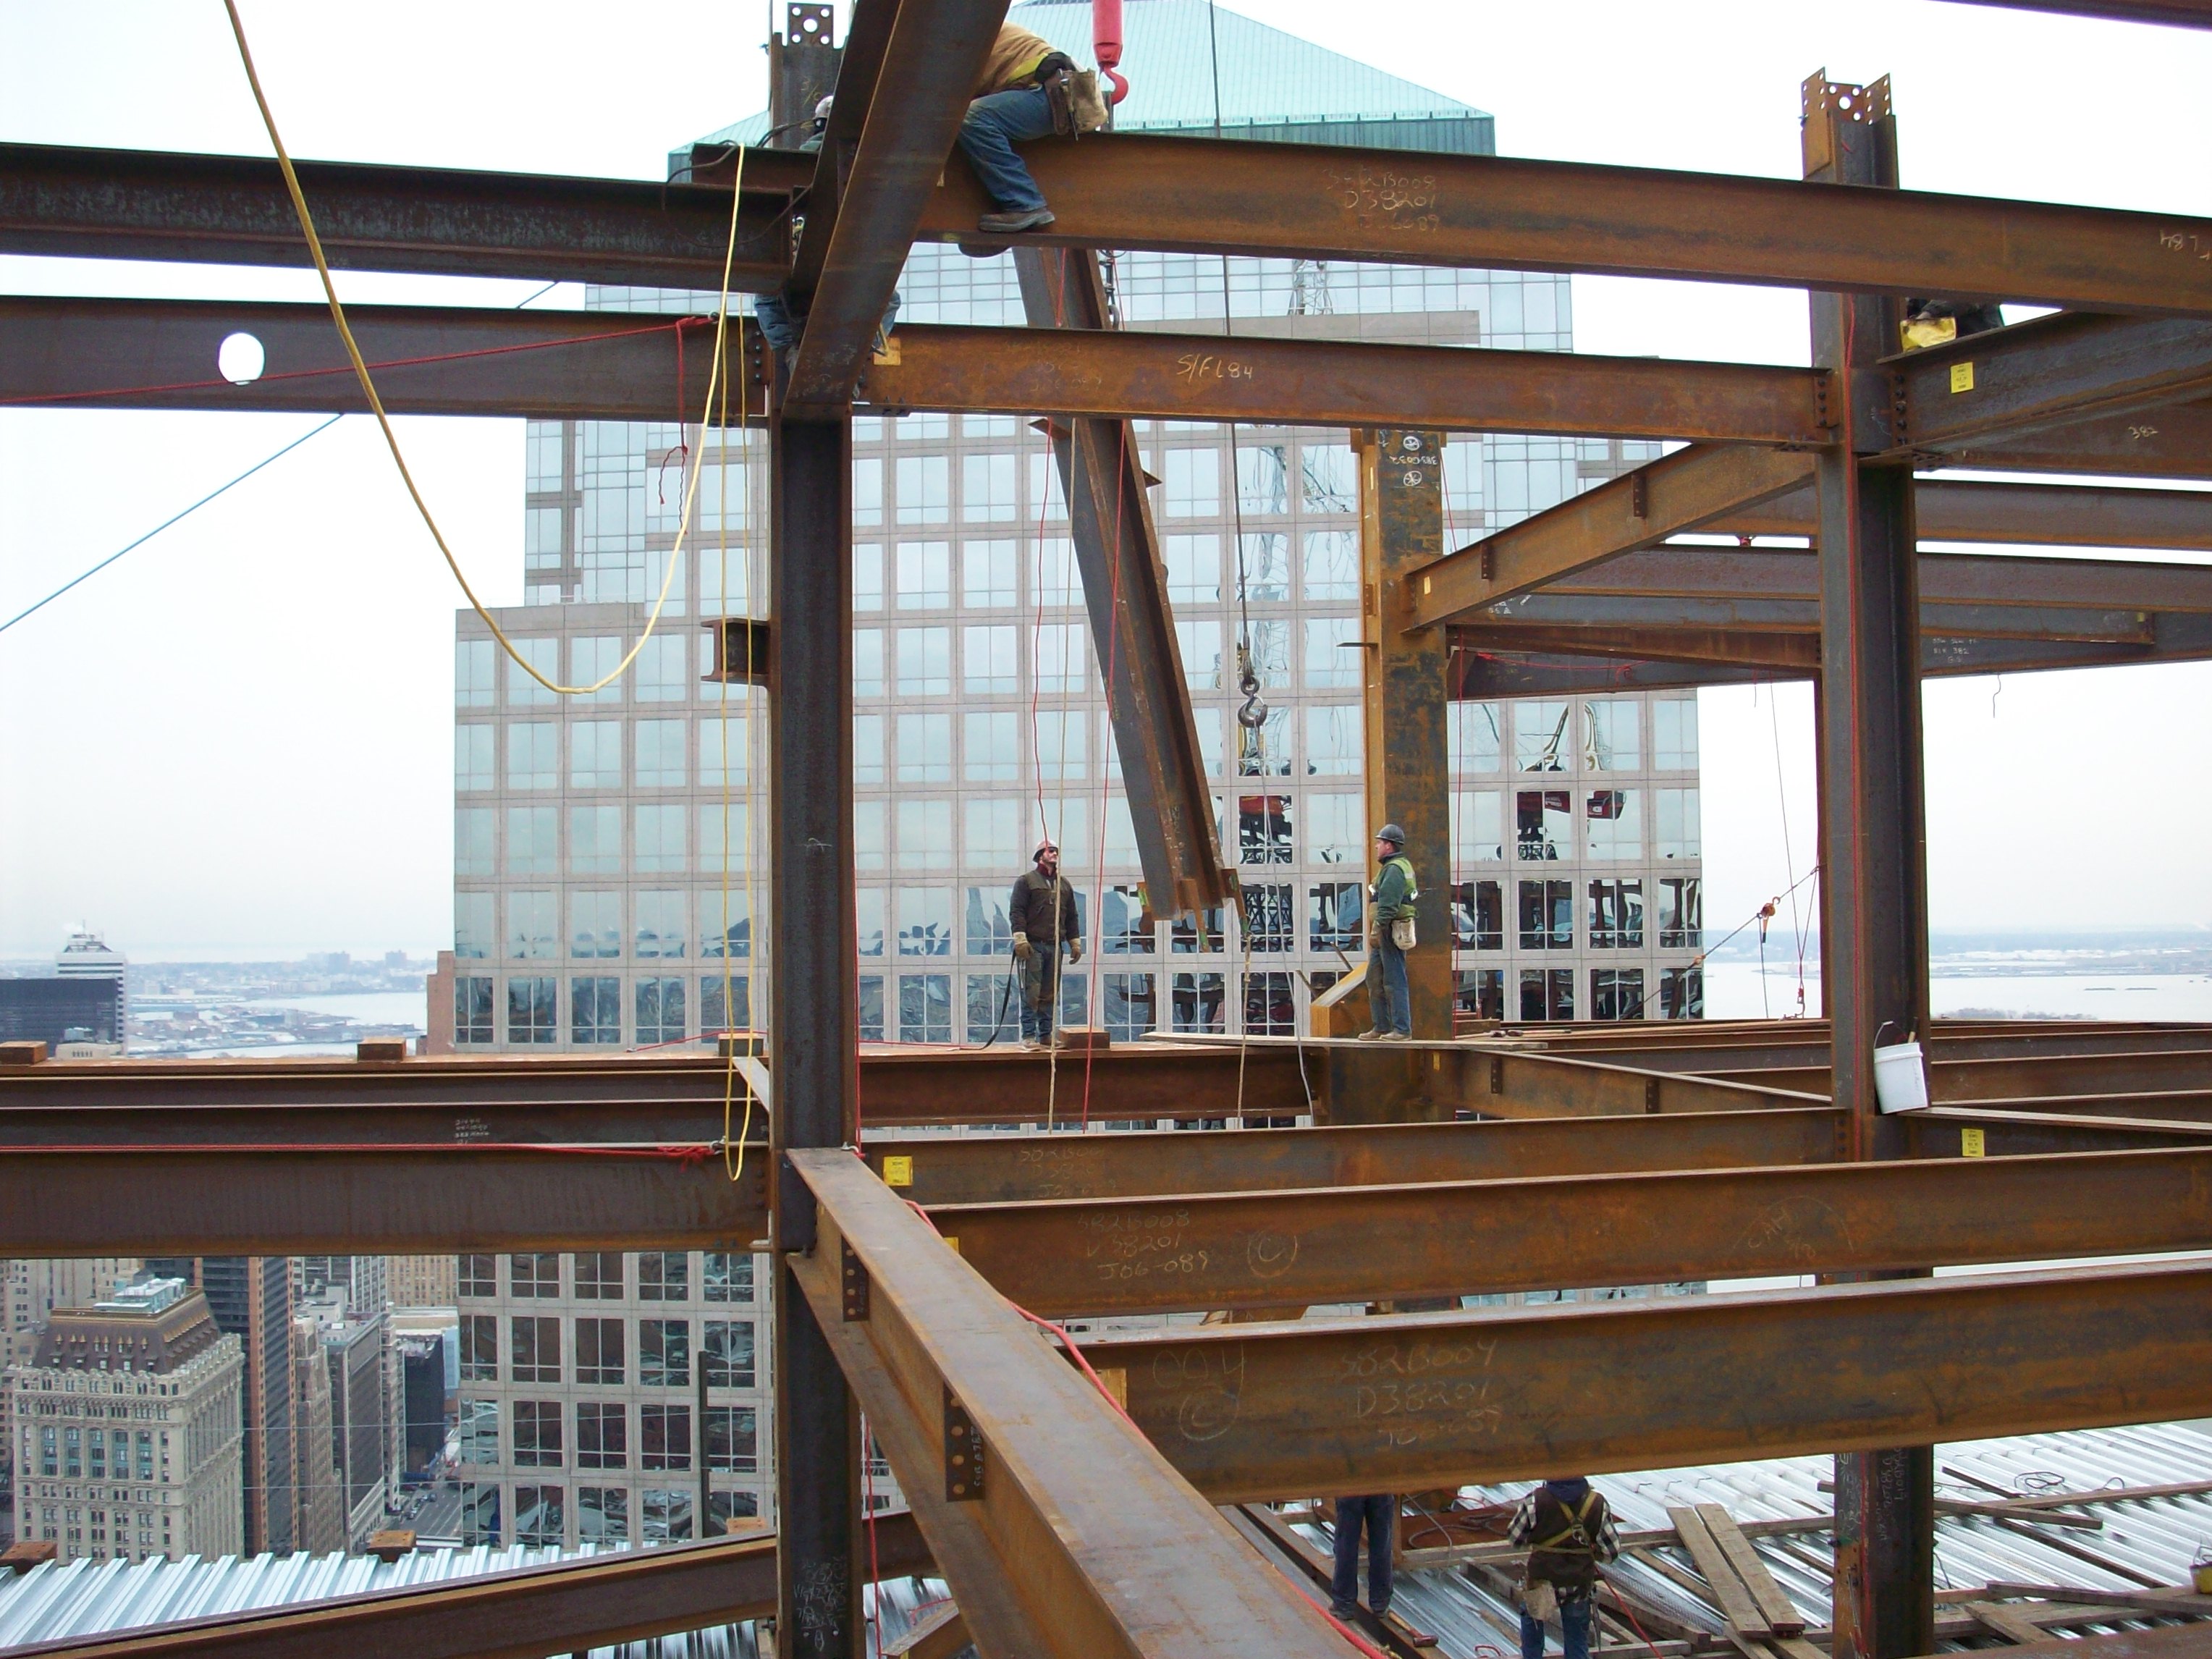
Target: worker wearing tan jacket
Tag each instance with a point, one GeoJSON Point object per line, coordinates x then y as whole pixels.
{"type": "Point", "coordinates": [1011, 107]}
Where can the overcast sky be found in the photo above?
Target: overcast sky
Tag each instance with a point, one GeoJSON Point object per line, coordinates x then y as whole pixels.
{"type": "Point", "coordinates": [238, 740]}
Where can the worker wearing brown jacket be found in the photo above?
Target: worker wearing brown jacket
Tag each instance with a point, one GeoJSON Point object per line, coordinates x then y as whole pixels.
{"type": "Point", "coordinates": [1043, 913]}
{"type": "Point", "coordinates": [1011, 107]}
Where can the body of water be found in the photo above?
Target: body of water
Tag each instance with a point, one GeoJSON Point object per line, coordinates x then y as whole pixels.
{"type": "Point", "coordinates": [367, 1007]}
{"type": "Point", "coordinates": [1737, 990]}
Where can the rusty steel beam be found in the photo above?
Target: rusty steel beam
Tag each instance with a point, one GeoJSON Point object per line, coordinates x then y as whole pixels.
{"type": "Point", "coordinates": [1117, 550]}
{"type": "Point", "coordinates": [1420, 1079]}
{"type": "Point", "coordinates": [1988, 1131]}
{"type": "Point", "coordinates": [2173, 441]}
{"type": "Point", "coordinates": [998, 1168]}
{"type": "Point", "coordinates": [635, 1097]}
{"type": "Point", "coordinates": [1102, 1547]}
{"type": "Point", "coordinates": [912, 116]}
{"type": "Point", "coordinates": [2026, 515]}
{"type": "Point", "coordinates": [233, 209]}
{"type": "Point", "coordinates": [1663, 498]}
{"type": "Point", "coordinates": [1480, 674]}
{"type": "Point", "coordinates": [1722, 629]}
{"type": "Point", "coordinates": [1752, 575]}
{"type": "Point", "coordinates": [2037, 378]}
{"type": "Point", "coordinates": [1322, 202]}
{"type": "Point", "coordinates": [1413, 1401]}
{"type": "Point", "coordinates": [258, 1200]}
{"type": "Point", "coordinates": [1292, 382]}
{"type": "Point", "coordinates": [1322, 1245]}
{"type": "Point", "coordinates": [571, 1606]}
{"type": "Point", "coordinates": [2179, 13]}
{"type": "Point", "coordinates": [1784, 653]}
{"type": "Point", "coordinates": [71, 353]}
{"type": "Point", "coordinates": [2031, 1077]}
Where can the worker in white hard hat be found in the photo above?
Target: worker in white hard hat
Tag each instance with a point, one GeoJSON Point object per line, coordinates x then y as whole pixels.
{"type": "Point", "coordinates": [1044, 915]}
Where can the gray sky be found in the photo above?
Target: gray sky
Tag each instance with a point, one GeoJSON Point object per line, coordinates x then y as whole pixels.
{"type": "Point", "coordinates": [239, 740]}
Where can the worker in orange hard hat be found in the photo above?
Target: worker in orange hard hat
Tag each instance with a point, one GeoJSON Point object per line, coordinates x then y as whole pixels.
{"type": "Point", "coordinates": [1044, 915]}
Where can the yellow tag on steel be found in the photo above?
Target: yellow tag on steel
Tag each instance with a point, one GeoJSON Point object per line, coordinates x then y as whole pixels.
{"type": "Point", "coordinates": [1962, 377]}
{"type": "Point", "coordinates": [898, 1171]}
{"type": "Point", "coordinates": [1971, 1144]}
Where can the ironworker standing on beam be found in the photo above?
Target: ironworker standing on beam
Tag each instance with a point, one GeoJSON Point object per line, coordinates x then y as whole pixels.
{"type": "Point", "coordinates": [1389, 936]}
{"type": "Point", "coordinates": [1043, 917]}
{"type": "Point", "coordinates": [1567, 1529]}
{"type": "Point", "coordinates": [1379, 1512]}
{"type": "Point", "coordinates": [1014, 102]}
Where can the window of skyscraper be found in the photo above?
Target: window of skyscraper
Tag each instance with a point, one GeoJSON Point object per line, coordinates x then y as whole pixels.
{"type": "Point", "coordinates": [1194, 565]}
{"type": "Point", "coordinates": [925, 490]}
{"type": "Point", "coordinates": [531, 1011]}
{"type": "Point", "coordinates": [662, 669]}
{"type": "Point", "coordinates": [532, 841]}
{"type": "Point", "coordinates": [925, 748]}
{"type": "Point", "coordinates": [479, 1275]}
{"type": "Point", "coordinates": [1612, 735]}
{"type": "Point", "coordinates": [728, 1276]}
{"type": "Point", "coordinates": [1682, 993]}
{"type": "Point", "coordinates": [1616, 993]}
{"type": "Point", "coordinates": [1198, 642]}
{"type": "Point", "coordinates": [726, 1350]}
{"type": "Point", "coordinates": [1335, 916]}
{"type": "Point", "coordinates": [1264, 751]}
{"type": "Point", "coordinates": [1674, 828]}
{"type": "Point", "coordinates": [664, 1353]}
{"type": "Point", "coordinates": [659, 844]}
{"type": "Point", "coordinates": [724, 923]}
{"type": "Point", "coordinates": [1616, 916]}
{"type": "Point", "coordinates": [990, 661]}
{"type": "Point", "coordinates": [1329, 477]}
{"type": "Point", "coordinates": [534, 754]}
{"type": "Point", "coordinates": [660, 924]}
{"type": "Point", "coordinates": [594, 840]}
{"type": "Point", "coordinates": [1548, 915]}
{"type": "Point", "coordinates": [1195, 1002]}
{"type": "Point", "coordinates": [1331, 564]}
{"type": "Point", "coordinates": [987, 573]}
{"type": "Point", "coordinates": [660, 1010]}
{"type": "Point", "coordinates": [1681, 913]}
{"type": "Point", "coordinates": [1053, 577]}
{"type": "Point", "coordinates": [1613, 824]}
{"type": "Point", "coordinates": [539, 1516]}
{"type": "Point", "coordinates": [472, 758]}
{"type": "Point", "coordinates": [1333, 656]}
{"type": "Point", "coordinates": [534, 1274]}
{"type": "Point", "coordinates": [479, 1337]}
{"type": "Point", "coordinates": [665, 1515]}
{"type": "Point", "coordinates": [599, 1349]}
{"type": "Point", "coordinates": [472, 842]}
{"type": "Point", "coordinates": [535, 1349]}
{"type": "Point", "coordinates": [925, 834]}
{"type": "Point", "coordinates": [473, 663]}
{"type": "Point", "coordinates": [1270, 920]}
{"type": "Point", "coordinates": [925, 662]}
{"type": "Point", "coordinates": [1062, 649]}
{"type": "Point", "coordinates": [925, 916]}
{"type": "Point", "coordinates": [603, 1512]}
{"type": "Point", "coordinates": [732, 1439]}
{"type": "Point", "coordinates": [664, 1276]}
{"type": "Point", "coordinates": [660, 763]}
{"type": "Point", "coordinates": [868, 835]}
{"type": "Point", "coordinates": [602, 1432]}
{"type": "Point", "coordinates": [472, 924]}
{"type": "Point", "coordinates": [595, 1011]}
{"type": "Point", "coordinates": [1131, 1005]}
{"type": "Point", "coordinates": [1675, 734]}
{"type": "Point", "coordinates": [1544, 823]}
{"type": "Point", "coordinates": [1264, 833]}
{"type": "Point", "coordinates": [1263, 565]}
{"type": "Point", "coordinates": [987, 489]}
{"type": "Point", "coordinates": [1471, 734]}
{"type": "Point", "coordinates": [595, 755]}
{"type": "Point", "coordinates": [542, 654]}
{"type": "Point", "coordinates": [1045, 500]}
{"type": "Point", "coordinates": [591, 659]}
{"type": "Point", "coordinates": [599, 1275]}
{"type": "Point", "coordinates": [868, 497]}
{"type": "Point", "coordinates": [1262, 478]}
{"type": "Point", "coordinates": [1270, 1008]}
{"type": "Point", "coordinates": [664, 1443]}
{"type": "Point", "coordinates": [925, 574]}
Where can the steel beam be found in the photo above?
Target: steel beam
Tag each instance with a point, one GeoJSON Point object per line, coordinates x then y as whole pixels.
{"type": "Point", "coordinates": [641, 1098]}
{"type": "Point", "coordinates": [1320, 1246]}
{"type": "Point", "coordinates": [1752, 575]}
{"type": "Point", "coordinates": [1321, 202]}
{"type": "Point", "coordinates": [250, 1200]}
{"type": "Point", "coordinates": [233, 209]}
{"type": "Point", "coordinates": [1120, 376]}
{"type": "Point", "coordinates": [912, 116]}
{"type": "Point", "coordinates": [814, 1010]}
{"type": "Point", "coordinates": [1746, 630]}
{"type": "Point", "coordinates": [2173, 441]}
{"type": "Point", "coordinates": [1104, 1549]}
{"type": "Point", "coordinates": [73, 353]}
{"type": "Point", "coordinates": [2040, 377]}
{"type": "Point", "coordinates": [2029, 515]}
{"type": "Point", "coordinates": [1000, 1169]}
{"type": "Point", "coordinates": [571, 1606]}
{"type": "Point", "coordinates": [2180, 13]}
{"type": "Point", "coordinates": [1663, 498]}
{"type": "Point", "coordinates": [1414, 1401]}
{"type": "Point", "coordinates": [1480, 674]}
{"type": "Point", "coordinates": [1117, 550]}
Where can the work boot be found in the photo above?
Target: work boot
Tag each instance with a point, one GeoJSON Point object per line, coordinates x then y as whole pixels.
{"type": "Point", "coordinates": [1030, 1045]}
{"type": "Point", "coordinates": [1341, 1612]}
{"type": "Point", "coordinates": [1000, 224]}
{"type": "Point", "coordinates": [1371, 1037]}
{"type": "Point", "coordinates": [1396, 1036]}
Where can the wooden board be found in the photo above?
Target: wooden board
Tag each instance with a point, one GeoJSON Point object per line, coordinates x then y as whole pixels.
{"type": "Point", "coordinates": [1780, 1612]}
{"type": "Point", "coordinates": [1745, 1620]}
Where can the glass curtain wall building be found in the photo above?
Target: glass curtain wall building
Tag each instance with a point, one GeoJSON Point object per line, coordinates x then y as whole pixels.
{"type": "Point", "coordinates": [608, 864]}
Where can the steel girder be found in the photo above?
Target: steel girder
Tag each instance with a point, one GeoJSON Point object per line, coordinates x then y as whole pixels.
{"type": "Point", "coordinates": [233, 209]}
{"type": "Point", "coordinates": [1323, 1246]}
{"type": "Point", "coordinates": [1099, 1547]}
{"type": "Point", "coordinates": [1413, 1401]}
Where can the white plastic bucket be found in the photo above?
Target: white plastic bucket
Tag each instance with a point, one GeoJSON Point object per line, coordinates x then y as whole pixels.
{"type": "Point", "coordinates": [1900, 1081]}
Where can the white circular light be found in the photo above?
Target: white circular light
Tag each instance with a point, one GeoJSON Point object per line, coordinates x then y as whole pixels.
{"type": "Point", "coordinates": [239, 359]}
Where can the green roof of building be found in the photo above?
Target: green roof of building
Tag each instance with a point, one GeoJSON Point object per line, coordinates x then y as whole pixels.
{"type": "Point", "coordinates": [1272, 84]}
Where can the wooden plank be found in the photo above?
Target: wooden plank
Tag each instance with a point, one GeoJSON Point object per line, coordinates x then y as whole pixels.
{"type": "Point", "coordinates": [1781, 1613]}
{"type": "Point", "coordinates": [1735, 1600]}
{"type": "Point", "coordinates": [2177, 1600]}
{"type": "Point", "coordinates": [2008, 1622]}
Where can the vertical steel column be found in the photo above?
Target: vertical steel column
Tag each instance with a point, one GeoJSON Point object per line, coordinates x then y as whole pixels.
{"type": "Point", "coordinates": [1872, 833]}
{"type": "Point", "coordinates": [1406, 681]}
{"type": "Point", "coordinates": [813, 1024]}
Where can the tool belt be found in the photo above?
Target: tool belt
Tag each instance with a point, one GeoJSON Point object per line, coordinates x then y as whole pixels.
{"type": "Point", "coordinates": [1077, 107]}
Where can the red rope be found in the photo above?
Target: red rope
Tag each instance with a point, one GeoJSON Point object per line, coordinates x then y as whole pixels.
{"type": "Point", "coordinates": [678, 326]}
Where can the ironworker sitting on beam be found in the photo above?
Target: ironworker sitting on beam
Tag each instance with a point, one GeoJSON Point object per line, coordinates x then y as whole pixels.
{"type": "Point", "coordinates": [772, 311]}
{"type": "Point", "coordinates": [1022, 80]}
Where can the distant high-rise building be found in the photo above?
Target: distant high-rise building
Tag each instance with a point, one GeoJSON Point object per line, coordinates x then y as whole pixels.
{"type": "Point", "coordinates": [354, 1350]}
{"type": "Point", "coordinates": [251, 1297]}
{"type": "Point", "coordinates": [80, 1012]}
{"type": "Point", "coordinates": [30, 1290]}
{"type": "Point", "coordinates": [320, 1492]}
{"type": "Point", "coordinates": [425, 1396]}
{"type": "Point", "coordinates": [421, 1281]}
{"type": "Point", "coordinates": [128, 1439]}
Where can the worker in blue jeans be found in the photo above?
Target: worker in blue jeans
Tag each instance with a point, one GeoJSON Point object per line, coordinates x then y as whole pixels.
{"type": "Point", "coordinates": [1391, 904]}
{"type": "Point", "coordinates": [1380, 1514]}
{"type": "Point", "coordinates": [1567, 1529]}
{"type": "Point", "coordinates": [1011, 107]}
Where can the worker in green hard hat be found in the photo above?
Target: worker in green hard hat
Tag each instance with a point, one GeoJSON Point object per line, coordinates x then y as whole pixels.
{"type": "Point", "coordinates": [1389, 936]}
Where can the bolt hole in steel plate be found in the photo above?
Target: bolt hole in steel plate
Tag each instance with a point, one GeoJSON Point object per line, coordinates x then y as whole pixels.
{"type": "Point", "coordinates": [239, 359]}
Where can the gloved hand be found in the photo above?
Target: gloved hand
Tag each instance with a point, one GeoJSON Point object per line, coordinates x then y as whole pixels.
{"type": "Point", "coordinates": [1373, 935]}
{"type": "Point", "coordinates": [1021, 947]}
{"type": "Point", "coordinates": [1075, 950]}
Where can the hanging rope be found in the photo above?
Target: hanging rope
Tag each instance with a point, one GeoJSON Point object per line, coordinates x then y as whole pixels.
{"type": "Point", "coordinates": [384, 421]}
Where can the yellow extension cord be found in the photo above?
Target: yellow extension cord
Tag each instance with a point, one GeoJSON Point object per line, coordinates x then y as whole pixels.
{"type": "Point", "coordinates": [391, 439]}
{"type": "Point", "coordinates": [675, 557]}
